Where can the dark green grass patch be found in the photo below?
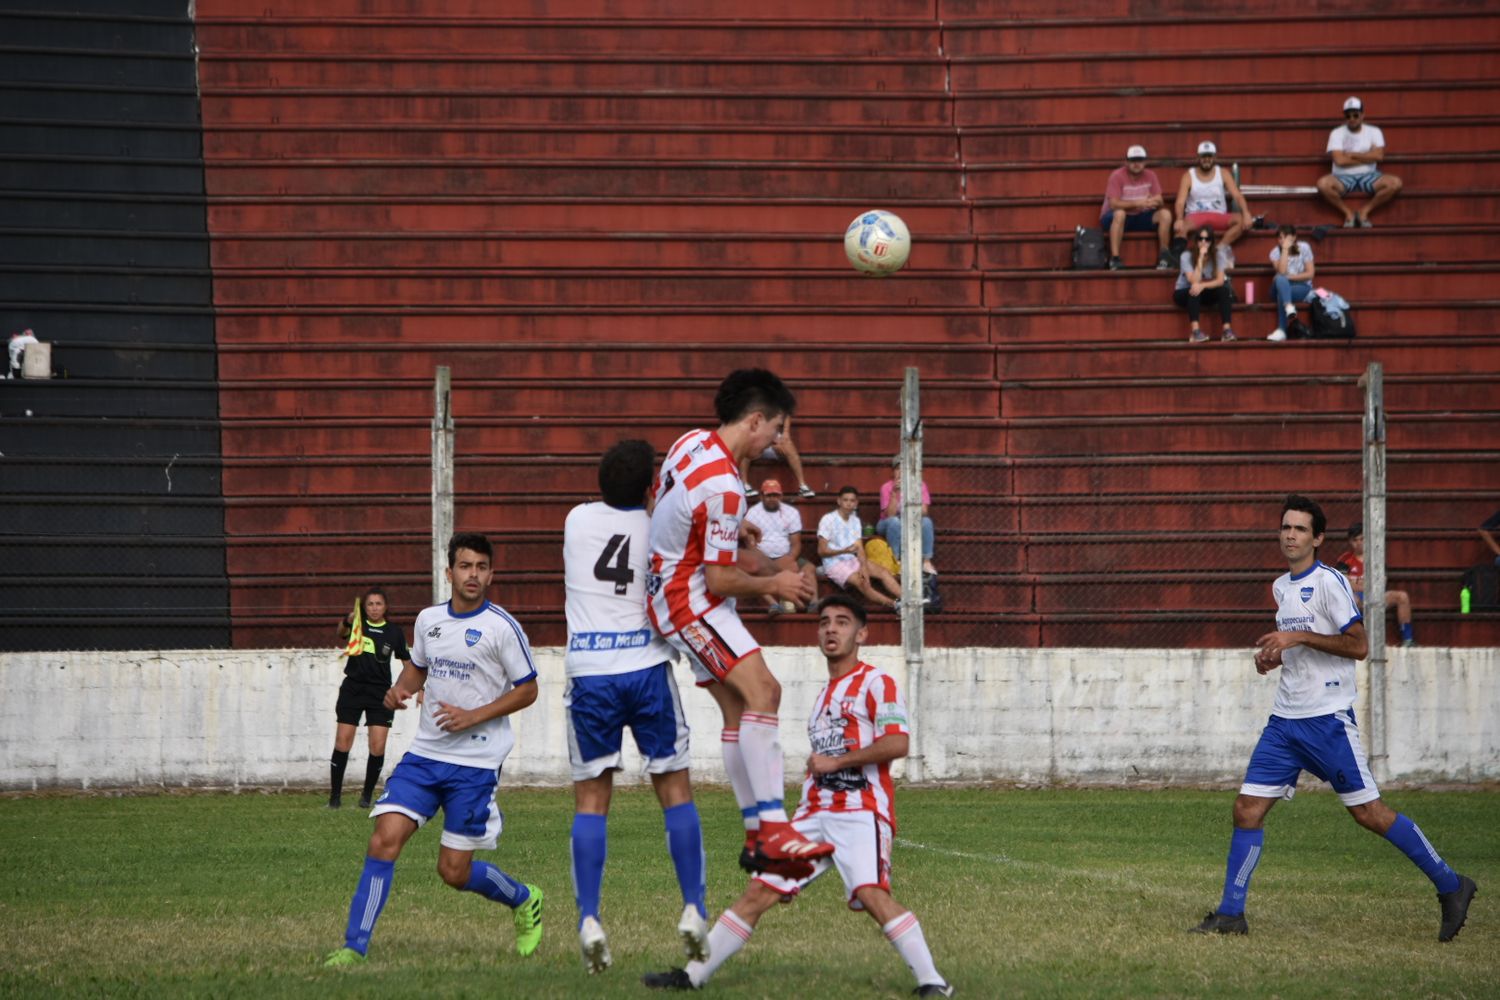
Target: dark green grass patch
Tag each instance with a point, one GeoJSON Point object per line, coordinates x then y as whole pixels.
{"type": "Point", "coordinates": [1021, 893]}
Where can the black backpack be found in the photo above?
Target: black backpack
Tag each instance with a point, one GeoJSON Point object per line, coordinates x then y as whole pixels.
{"type": "Point", "coordinates": [1483, 582]}
{"type": "Point", "coordinates": [1327, 326]}
{"type": "Point", "coordinates": [1090, 250]}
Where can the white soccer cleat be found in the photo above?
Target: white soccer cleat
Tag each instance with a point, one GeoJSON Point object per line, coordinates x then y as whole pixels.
{"type": "Point", "coordinates": [594, 946]}
{"type": "Point", "coordinates": [693, 930]}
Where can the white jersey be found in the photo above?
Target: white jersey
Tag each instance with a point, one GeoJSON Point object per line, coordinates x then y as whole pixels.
{"type": "Point", "coordinates": [1207, 196]}
{"type": "Point", "coordinates": [605, 557]}
{"type": "Point", "coordinates": [699, 503]}
{"type": "Point", "coordinates": [851, 713]}
{"type": "Point", "coordinates": [1314, 682]}
{"type": "Point", "coordinates": [470, 660]}
{"type": "Point", "coordinates": [776, 527]}
{"type": "Point", "coordinates": [1367, 138]}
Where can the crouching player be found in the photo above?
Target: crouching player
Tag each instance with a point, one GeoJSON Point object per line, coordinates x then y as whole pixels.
{"type": "Point", "coordinates": [474, 664]}
{"type": "Point", "coordinates": [857, 727]}
{"type": "Point", "coordinates": [620, 674]}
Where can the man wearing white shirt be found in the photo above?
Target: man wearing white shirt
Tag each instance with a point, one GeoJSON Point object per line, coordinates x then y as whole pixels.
{"type": "Point", "coordinates": [841, 547]}
{"type": "Point", "coordinates": [472, 662]}
{"type": "Point", "coordinates": [1357, 150]}
{"type": "Point", "coordinates": [1319, 634]}
{"type": "Point", "coordinates": [780, 541]}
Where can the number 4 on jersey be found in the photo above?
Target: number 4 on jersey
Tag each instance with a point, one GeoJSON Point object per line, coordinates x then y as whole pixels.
{"type": "Point", "coordinates": [614, 563]}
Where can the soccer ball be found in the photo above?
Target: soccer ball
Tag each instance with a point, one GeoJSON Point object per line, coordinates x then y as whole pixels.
{"type": "Point", "coordinates": [877, 242]}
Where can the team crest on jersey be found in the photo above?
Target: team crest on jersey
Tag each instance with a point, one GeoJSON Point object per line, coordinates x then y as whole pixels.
{"type": "Point", "coordinates": [471, 636]}
{"type": "Point", "coordinates": [1307, 593]}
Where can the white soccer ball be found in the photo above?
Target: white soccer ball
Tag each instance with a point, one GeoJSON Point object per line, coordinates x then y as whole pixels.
{"type": "Point", "coordinates": [877, 242]}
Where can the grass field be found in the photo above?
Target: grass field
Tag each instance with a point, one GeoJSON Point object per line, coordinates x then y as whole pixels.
{"type": "Point", "coordinates": [1064, 893]}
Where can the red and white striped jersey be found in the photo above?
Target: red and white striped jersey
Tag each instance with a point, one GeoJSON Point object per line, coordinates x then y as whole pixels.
{"type": "Point", "coordinates": [851, 713]}
{"type": "Point", "coordinates": [699, 503]}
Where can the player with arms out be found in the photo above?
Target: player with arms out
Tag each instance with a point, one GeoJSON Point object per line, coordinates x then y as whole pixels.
{"type": "Point", "coordinates": [474, 664]}
{"type": "Point", "coordinates": [620, 674]}
{"type": "Point", "coordinates": [1319, 634]}
{"type": "Point", "coordinates": [857, 727]}
{"type": "Point", "coordinates": [692, 588]}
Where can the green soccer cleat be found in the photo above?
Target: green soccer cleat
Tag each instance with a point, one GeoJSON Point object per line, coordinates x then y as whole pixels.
{"type": "Point", "coordinates": [529, 921]}
{"type": "Point", "coordinates": [343, 958]}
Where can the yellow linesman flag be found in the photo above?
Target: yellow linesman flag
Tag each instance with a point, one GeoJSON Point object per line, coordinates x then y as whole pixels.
{"type": "Point", "coordinates": [356, 632]}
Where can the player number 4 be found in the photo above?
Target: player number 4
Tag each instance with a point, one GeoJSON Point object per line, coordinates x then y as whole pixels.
{"type": "Point", "coordinates": [614, 564]}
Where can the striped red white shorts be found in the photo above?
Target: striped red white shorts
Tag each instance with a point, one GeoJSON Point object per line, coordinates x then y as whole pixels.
{"type": "Point", "coordinates": [714, 643]}
{"type": "Point", "coordinates": [861, 852]}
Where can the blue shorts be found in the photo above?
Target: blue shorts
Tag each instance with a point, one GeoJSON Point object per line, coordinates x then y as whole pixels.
{"type": "Point", "coordinates": [1325, 745]}
{"type": "Point", "coordinates": [419, 786]}
{"type": "Point", "coordinates": [1358, 183]}
{"type": "Point", "coordinates": [1139, 222]}
{"type": "Point", "coordinates": [599, 708]}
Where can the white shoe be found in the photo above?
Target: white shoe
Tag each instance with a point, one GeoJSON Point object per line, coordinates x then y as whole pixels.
{"type": "Point", "coordinates": [1277, 335]}
{"type": "Point", "coordinates": [594, 946]}
{"type": "Point", "coordinates": [693, 930]}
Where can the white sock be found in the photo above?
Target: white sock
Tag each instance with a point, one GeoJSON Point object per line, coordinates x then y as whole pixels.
{"type": "Point", "coordinates": [739, 777]}
{"type": "Point", "coordinates": [905, 935]}
{"type": "Point", "coordinates": [760, 743]}
{"type": "Point", "coordinates": [728, 936]}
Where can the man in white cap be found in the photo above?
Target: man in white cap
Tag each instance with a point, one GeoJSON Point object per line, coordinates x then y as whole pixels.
{"type": "Point", "coordinates": [1133, 204]}
{"type": "Point", "coordinates": [1204, 196]}
{"type": "Point", "coordinates": [1357, 150]}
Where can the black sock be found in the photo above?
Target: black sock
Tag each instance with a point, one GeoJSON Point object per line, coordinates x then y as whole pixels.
{"type": "Point", "coordinates": [372, 775]}
{"type": "Point", "coordinates": [336, 772]}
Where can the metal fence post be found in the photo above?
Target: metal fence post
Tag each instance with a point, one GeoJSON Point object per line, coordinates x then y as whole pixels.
{"type": "Point", "coordinates": [442, 479]}
{"type": "Point", "coordinates": [912, 641]}
{"type": "Point", "coordinates": [1373, 383]}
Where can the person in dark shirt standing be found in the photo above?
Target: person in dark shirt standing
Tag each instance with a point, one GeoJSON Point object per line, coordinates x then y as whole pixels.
{"type": "Point", "coordinates": [367, 677]}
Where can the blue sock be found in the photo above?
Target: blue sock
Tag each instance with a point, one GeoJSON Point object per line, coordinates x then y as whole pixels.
{"type": "Point", "coordinates": [1407, 633]}
{"type": "Point", "coordinates": [1244, 855]}
{"type": "Point", "coordinates": [369, 899]}
{"type": "Point", "coordinates": [590, 846]}
{"type": "Point", "coordinates": [492, 883]}
{"type": "Point", "coordinates": [685, 844]}
{"type": "Point", "coordinates": [1408, 837]}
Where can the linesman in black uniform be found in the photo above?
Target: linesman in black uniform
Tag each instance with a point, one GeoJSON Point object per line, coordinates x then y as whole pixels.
{"type": "Point", "coordinates": [367, 677]}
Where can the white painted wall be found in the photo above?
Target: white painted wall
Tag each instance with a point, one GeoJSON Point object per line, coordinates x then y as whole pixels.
{"type": "Point", "coordinates": [265, 717]}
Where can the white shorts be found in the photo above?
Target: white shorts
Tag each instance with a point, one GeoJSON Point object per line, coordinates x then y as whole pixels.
{"type": "Point", "coordinates": [714, 643]}
{"type": "Point", "coordinates": [861, 852]}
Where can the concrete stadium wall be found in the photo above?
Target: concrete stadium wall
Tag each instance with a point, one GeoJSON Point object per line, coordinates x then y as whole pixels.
{"type": "Point", "coordinates": [1106, 716]}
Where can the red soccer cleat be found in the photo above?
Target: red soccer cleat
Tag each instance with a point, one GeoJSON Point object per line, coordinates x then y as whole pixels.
{"type": "Point", "coordinates": [781, 842]}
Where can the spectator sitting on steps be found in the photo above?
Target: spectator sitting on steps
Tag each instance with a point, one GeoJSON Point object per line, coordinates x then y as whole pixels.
{"type": "Point", "coordinates": [1204, 196]}
{"type": "Point", "coordinates": [783, 448]}
{"type": "Point", "coordinates": [889, 525]}
{"type": "Point", "coordinates": [841, 547]}
{"type": "Point", "coordinates": [1352, 565]}
{"type": "Point", "coordinates": [1133, 203]}
{"type": "Point", "coordinates": [1203, 281]}
{"type": "Point", "coordinates": [780, 541]}
{"type": "Point", "coordinates": [18, 344]}
{"type": "Point", "coordinates": [1357, 150]}
{"type": "Point", "coordinates": [1292, 260]}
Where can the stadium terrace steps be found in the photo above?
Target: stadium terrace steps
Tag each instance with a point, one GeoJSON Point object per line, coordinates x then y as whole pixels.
{"type": "Point", "coordinates": [1172, 142]}
{"type": "Point", "coordinates": [1466, 326]}
{"type": "Point", "coordinates": [571, 140]}
{"type": "Point", "coordinates": [668, 251]}
{"type": "Point", "coordinates": [586, 179]}
{"type": "Point", "coordinates": [1422, 245]}
{"type": "Point", "coordinates": [621, 73]}
{"type": "Point", "coordinates": [1413, 208]}
{"type": "Point", "coordinates": [480, 213]}
{"type": "Point", "coordinates": [1198, 34]}
{"type": "Point", "coordinates": [563, 201]}
{"type": "Point", "coordinates": [1308, 60]}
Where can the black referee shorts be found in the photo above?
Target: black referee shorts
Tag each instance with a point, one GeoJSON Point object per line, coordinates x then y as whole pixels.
{"type": "Point", "coordinates": [363, 699]}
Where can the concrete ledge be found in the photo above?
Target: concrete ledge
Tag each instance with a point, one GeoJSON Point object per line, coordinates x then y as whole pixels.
{"type": "Point", "coordinates": [264, 718]}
